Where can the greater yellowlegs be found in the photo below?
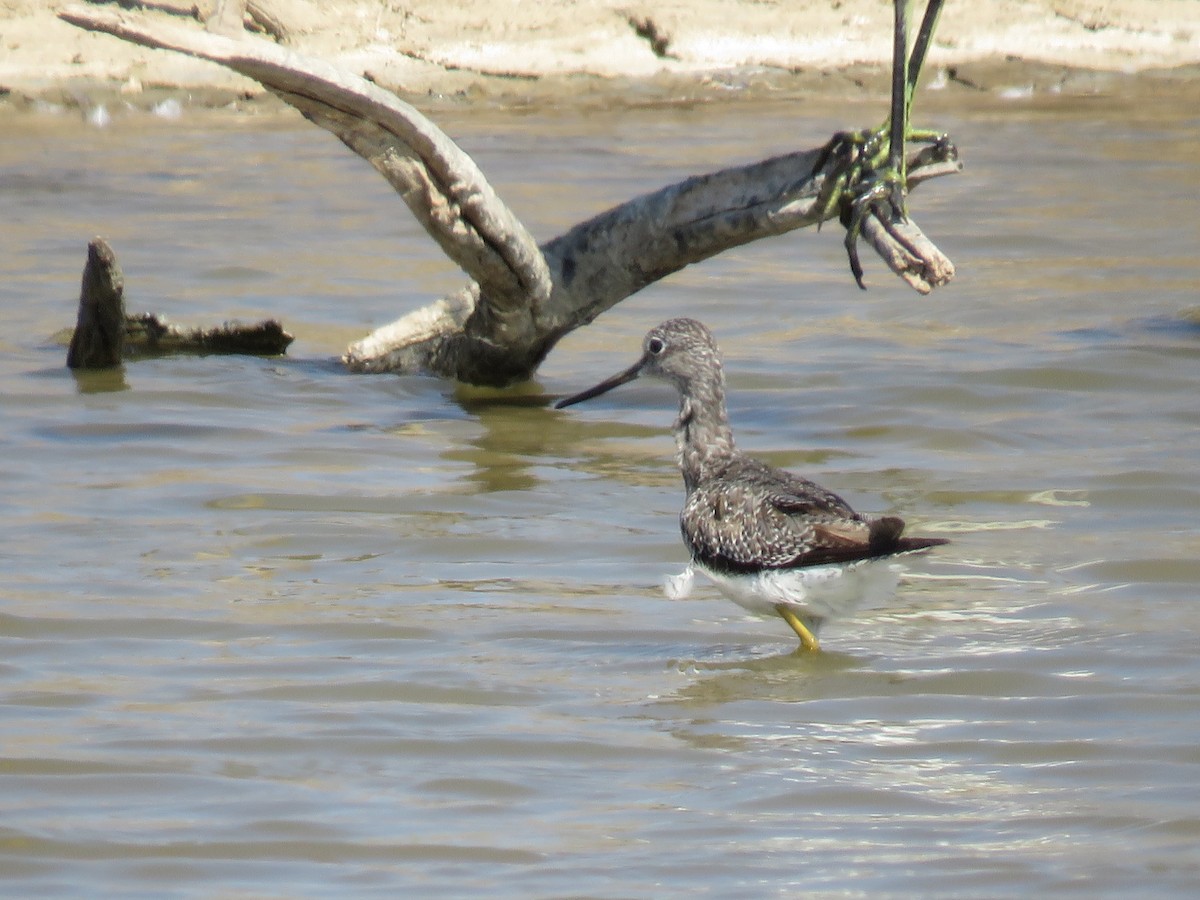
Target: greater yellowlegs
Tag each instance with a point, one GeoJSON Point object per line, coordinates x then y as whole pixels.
{"type": "Point", "coordinates": [771, 541]}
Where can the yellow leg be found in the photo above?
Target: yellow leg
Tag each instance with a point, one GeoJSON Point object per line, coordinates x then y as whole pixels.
{"type": "Point", "coordinates": [808, 640]}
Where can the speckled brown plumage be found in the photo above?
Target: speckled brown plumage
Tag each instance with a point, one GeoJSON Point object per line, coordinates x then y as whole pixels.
{"type": "Point", "coordinates": [741, 516]}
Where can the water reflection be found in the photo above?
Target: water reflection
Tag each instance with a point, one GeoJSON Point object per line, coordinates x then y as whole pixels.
{"type": "Point", "coordinates": [104, 381]}
{"type": "Point", "coordinates": [522, 437]}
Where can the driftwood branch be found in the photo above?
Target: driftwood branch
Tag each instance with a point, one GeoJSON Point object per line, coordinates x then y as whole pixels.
{"type": "Point", "coordinates": [600, 262]}
{"type": "Point", "coordinates": [105, 334]}
{"type": "Point", "coordinates": [524, 297]}
{"type": "Point", "coordinates": [147, 334]}
{"type": "Point", "coordinates": [441, 184]}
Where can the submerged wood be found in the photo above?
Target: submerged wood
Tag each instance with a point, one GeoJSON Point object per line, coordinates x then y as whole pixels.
{"type": "Point", "coordinates": [523, 297]}
{"type": "Point", "coordinates": [99, 338]}
{"type": "Point", "coordinates": [105, 335]}
{"type": "Point", "coordinates": [147, 334]}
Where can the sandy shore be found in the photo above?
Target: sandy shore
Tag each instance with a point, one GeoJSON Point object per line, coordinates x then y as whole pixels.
{"type": "Point", "coordinates": [510, 49]}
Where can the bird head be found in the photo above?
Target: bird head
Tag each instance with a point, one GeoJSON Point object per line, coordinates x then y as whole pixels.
{"type": "Point", "coordinates": [679, 351]}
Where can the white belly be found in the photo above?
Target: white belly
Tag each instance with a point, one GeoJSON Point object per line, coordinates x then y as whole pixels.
{"type": "Point", "coordinates": [814, 594]}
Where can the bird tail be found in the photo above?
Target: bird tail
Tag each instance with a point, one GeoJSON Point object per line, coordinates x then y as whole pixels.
{"type": "Point", "coordinates": [886, 540]}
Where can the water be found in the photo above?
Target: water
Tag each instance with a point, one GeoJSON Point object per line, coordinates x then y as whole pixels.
{"type": "Point", "coordinates": [269, 629]}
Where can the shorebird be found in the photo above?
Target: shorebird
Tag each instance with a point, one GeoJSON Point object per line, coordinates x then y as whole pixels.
{"type": "Point", "coordinates": [771, 541]}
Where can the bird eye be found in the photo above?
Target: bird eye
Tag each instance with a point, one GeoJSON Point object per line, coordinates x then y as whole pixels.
{"type": "Point", "coordinates": [655, 346]}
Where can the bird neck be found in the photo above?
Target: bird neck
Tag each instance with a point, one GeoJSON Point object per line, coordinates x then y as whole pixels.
{"type": "Point", "coordinates": [703, 437]}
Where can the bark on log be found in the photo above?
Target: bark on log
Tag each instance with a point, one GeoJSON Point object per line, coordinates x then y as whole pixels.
{"type": "Point", "coordinates": [99, 338]}
{"type": "Point", "coordinates": [147, 334]}
{"type": "Point", "coordinates": [524, 297]}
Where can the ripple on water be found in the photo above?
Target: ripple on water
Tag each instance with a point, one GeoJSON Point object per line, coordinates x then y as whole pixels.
{"type": "Point", "coordinates": [266, 628]}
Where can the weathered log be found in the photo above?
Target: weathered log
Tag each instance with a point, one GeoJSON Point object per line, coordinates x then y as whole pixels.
{"type": "Point", "coordinates": [105, 335]}
{"type": "Point", "coordinates": [525, 297]}
{"type": "Point", "coordinates": [600, 262]}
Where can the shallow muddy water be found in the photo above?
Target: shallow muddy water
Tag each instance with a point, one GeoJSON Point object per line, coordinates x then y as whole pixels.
{"type": "Point", "coordinates": [269, 629]}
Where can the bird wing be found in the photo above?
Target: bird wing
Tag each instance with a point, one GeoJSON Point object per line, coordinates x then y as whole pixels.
{"type": "Point", "coordinates": [796, 496]}
{"type": "Point", "coordinates": [742, 525]}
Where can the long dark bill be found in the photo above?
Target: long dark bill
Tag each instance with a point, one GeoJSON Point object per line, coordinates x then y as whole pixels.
{"type": "Point", "coordinates": [603, 387]}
